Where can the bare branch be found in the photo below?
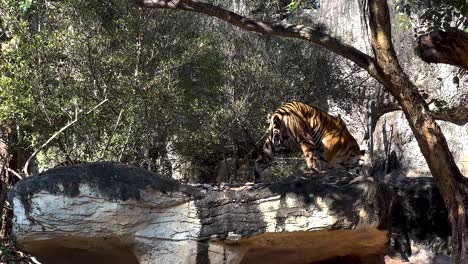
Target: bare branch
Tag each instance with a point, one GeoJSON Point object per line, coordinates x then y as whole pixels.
{"type": "Point", "coordinates": [313, 35]}
{"type": "Point", "coordinates": [126, 141]}
{"type": "Point", "coordinates": [14, 173]}
{"type": "Point", "coordinates": [457, 115]}
{"type": "Point", "coordinates": [26, 165]}
{"type": "Point", "coordinates": [111, 135]}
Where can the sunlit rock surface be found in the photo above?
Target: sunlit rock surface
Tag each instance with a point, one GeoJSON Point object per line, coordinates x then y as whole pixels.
{"type": "Point", "coordinates": [113, 212]}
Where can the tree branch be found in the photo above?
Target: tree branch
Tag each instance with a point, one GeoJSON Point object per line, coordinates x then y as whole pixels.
{"type": "Point", "coordinates": [26, 165]}
{"type": "Point", "coordinates": [450, 47]}
{"type": "Point", "coordinates": [126, 141]}
{"type": "Point", "coordinates": [14, 173]}
{"type": "Point", "coordinates": [457, 115]}
{"type": "Point", "coordinates": [111, 135]}
{"type": "Point", "coordinates": [381, 37]}
{"type": "Point", "coordinates": [313, 35]}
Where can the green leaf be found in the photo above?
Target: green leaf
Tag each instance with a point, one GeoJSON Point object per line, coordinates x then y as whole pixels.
{"type": "Point", "coordinates": [25, 5]}
{"type": "Point", "coordinates": [295, 5]}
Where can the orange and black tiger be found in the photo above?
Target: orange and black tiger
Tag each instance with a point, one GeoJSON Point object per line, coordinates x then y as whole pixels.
{"type": "Point", "coordinates": [320, 136]}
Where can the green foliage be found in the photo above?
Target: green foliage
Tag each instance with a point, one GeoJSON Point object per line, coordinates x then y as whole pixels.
{"type": "Point", "coordinates": [25, 5]}
{"type": "Point", "coordinates": [295, 5]}
{"type": "Point", "coordinates": [404, 22]}
{"type": "Point", "coordinates": [7, 251]}
{"type": "Point", "coordinates": [175, 83]}
{"type": "Point", "coordinates": [432, 15]}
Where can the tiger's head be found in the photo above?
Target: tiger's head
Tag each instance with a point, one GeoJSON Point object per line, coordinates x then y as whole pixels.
{"type": "Point", "coordinates": [277, 131]}
{"type": "Point", "coordinates": [277, 134]}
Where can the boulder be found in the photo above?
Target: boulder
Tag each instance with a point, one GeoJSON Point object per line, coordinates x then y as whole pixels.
{"type": "Point", "coordinates": [115, 213]}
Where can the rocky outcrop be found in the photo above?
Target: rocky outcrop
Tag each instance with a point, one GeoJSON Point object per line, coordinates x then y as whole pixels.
{"type": "Point", "coordinates": [91, 212]}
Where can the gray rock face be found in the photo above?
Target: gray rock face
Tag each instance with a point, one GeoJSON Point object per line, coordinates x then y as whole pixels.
{"type": "Point", "coordinates": [346, 19]}
{"type": "Point", "coordinates": [90, 212]}
{"type": "Point", "coordinates": [403, 143]}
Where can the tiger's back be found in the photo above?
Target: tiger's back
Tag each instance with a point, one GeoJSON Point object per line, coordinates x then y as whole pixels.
{"type": "Point", "coordinates": [320, 136]}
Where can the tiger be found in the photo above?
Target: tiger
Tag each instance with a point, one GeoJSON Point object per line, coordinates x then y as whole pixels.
{"type": "Point", "coordinates": [319, 135]}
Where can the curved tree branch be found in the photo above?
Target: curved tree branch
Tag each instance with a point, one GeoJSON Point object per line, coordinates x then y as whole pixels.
{"type": "Point", "coordinates": [450, 47]}
{"type": "Point", "coordinates": [457, 115]}
{"type": "Point", "coordinates": [26, 165]}
{"type": "Point", "coordinates": [313, 35]}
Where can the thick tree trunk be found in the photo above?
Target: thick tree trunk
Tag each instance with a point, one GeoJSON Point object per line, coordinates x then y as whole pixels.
{"type": "Point", "coordinates": [451, 183]}
{"type": "Point", "coordinates": [450, 47]}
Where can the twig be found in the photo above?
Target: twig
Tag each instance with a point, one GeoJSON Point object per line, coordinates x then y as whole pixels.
{"type": "Point", "coordinates": [387, 151]}
{"type": "Point", "coordinates": [14, 173]}
{"type": "Point", "coordinates": [126, 141]}
{"type": "Point", "coordinates": [111, 135]}
{"type": "Point", "coordinates": [26, 165]}
{"type": "Point", "coordinates": [3, 190]}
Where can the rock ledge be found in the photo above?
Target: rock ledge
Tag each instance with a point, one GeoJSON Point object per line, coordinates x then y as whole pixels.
{"type": "Point", "coordinates": [119, 213]}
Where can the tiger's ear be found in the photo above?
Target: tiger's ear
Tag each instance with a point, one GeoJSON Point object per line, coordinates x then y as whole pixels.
{"type": "Point", "coordinates": [363, 152]}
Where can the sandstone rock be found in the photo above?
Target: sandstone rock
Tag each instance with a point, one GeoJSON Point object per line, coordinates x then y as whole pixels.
{"type": "Point", "coordinates": [109, 212]}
